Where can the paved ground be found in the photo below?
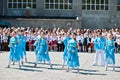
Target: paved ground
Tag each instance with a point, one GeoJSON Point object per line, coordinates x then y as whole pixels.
{"type": "Point", "coordinates": [43, 72]}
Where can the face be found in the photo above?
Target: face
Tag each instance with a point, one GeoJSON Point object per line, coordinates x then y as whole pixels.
{"type": "Point", "coordinates": [73, 36]}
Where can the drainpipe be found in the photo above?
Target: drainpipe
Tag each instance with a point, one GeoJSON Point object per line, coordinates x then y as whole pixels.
{"type": "Point", "coordinates": [3, 8]}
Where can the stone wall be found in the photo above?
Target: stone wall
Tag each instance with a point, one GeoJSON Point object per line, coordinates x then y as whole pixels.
{"type": "Point", "coordinates": [46, 23]}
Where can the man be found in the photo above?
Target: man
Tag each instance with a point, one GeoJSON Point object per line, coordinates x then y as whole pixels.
{"type": "Point", "coordinates": [99, 45]}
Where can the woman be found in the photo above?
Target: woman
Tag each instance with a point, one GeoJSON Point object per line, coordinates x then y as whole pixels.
{"type": "Point", "coordinates": [65, 54]}
{"type": "Point", "coordinates": [42, 54]}
{"type": "Point", "coordinates": [73, 58]}
{"type": "Point", "coordinates": [14, 55]}
{"type": "Point", "coordinates": [110, 56]}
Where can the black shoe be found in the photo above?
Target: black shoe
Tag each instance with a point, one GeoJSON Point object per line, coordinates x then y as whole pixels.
{"type": "Point", "coordinates": [35, 65]}
{"type": "Point", "coordinates": [8, 66]}
{"type": "Point", "coordinates": [51, 66]}
{"type": "Point", "coordinates": [22, 63]}
{"type": "Point", "coordinates": [13, 63]}
{"type": "Point", "coordinates": [20, 67]}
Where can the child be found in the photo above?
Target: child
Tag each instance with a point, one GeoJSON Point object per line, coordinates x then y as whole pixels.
{"type": "Point", "coordinates": [42, 53]}
{"type": "Point", "coordinates": [73, 58]}
{"type": "Point", "coordinates": [14, 55]}
{"type": "Point", "coordinates": [65, 54]}
{"type": "Point", "coordinates": [110, 54]}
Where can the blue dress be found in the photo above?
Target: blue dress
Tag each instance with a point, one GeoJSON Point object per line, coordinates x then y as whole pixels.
{"type": "Point", "coordinates": [73, 58]}
{"type": "Point", "coordinates": [36, 44]}
{"type": "Point", "coordinates": [14, 55]}
{"type": "Point", "coordinates": [23, 42]}
{"type": "Point", "coordinates": [65, 41]}
{"type": "Point", "coordinates": [99, 43]}
{"type": "Point", "coordinates": [20, 46]}
{"type": "Point", "coordinates": [110, 56]}
{"type": "Point", "coordinates": [42, 53]}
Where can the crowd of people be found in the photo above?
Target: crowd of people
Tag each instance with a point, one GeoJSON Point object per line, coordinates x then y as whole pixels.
{"type": "Point", "coordinates": [71, 41]}
{"type": "Point", "coordinates": [55, 37]}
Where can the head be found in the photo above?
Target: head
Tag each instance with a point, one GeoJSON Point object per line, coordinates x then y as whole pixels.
{"type": "Point", "coordinates": [22, 32]}
{"type": "Point", "coordinates": [73, 35]}
{"type": "Point", "coordinates": [14, 34]}
{"type": "Point", "coordinates": [99, 34]}
{"type": "Point", "coordinates": [43, 34]}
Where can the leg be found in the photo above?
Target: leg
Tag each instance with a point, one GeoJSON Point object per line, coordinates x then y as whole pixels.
{"type": "Point", "coordinates": [113, 67]}
{"type": "Point", "coordinates": [68, 69]}
{"type": "Point", "coordinates": [106, 66]}
{"type": "Point", "coordinates": [96, 58]}
{"type": "Point", "coordinates": [78, 69]}
{"type": "Point", "coordinates": [102, 58]}
{"type": "Point", "coordinates": [50, 64]}
{"type": "Point", "coordinates": [63, 64]}
{"type": "Point", "coordinates": [9, 63]}
{"type": "Point", "coordinates": [36, 62]}
{"type": "Point", "coordinates": [19, 64]}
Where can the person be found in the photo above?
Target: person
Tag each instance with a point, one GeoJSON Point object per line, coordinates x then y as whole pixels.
{"type": "Point", "coordinates": [73, 58]}
{"type": "Point", "coordinates": [36, 44]}
{"type": "Point", "coordinates": [65, 54]}
{"type": "Point", "coordinates": [14, 55]}
{"type": "Point", "coordinates": [42, 53]}
{"type": "Point", "coordinates": [99, 44]}
{"type": "Point", "coordinates": [110, 54]}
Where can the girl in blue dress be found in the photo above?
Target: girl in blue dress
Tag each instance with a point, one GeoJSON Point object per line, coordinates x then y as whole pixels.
{"type": "Point", "coordinates": [73, 58]}
{"type": "Point", "coordinates": [42, 53]}
{"type": "Point", "coordinates": [14, 49]}
{"type": "Point", "coordinates": [110, 54]}
{"type": "Point", "coordinates": [65, 55]}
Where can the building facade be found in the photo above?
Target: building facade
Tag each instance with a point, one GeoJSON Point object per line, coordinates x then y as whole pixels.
{"type": "Point", "coordinates": [92, 13]}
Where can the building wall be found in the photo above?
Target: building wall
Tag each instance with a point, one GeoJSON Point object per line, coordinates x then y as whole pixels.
{"type": "Point", "coordinates": [1, 7]}
{"type": "Point", "coordinates": [89, 19]}
{"type": "Point", "coordinates": [46, 23]}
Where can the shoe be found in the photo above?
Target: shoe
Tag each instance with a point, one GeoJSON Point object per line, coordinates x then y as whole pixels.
{"type": "Point", "coordinates": [113, 68]}
{"type": "Point", "coordinates": [94, 64]}
{"type": "Point", "coordinates": [20, 67]}
{"type": "Point", "coordinates": [13, 63]}
{"type": "Point", "coordinates": [67, 70]}
{"type": "Point", "coordinates": [35, 65]}
{"type": "Point", "coordinates": [22, 63]}
{"type": "Point", "coordinates": [8, 66]}
{"type": "Point", "coordinates": [51, 66]}
{"type": "Point", "coordinates": [62, 66]}
{"type": "Point", "coordinates": [78, 71]}
{"type": "Point", "coordinates": [106, 69]}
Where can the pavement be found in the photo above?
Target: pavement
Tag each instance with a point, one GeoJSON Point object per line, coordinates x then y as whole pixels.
{"type": "Point", "coordinates": [43, 71]}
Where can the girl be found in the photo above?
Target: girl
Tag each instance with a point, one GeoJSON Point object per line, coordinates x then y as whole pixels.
{"type": "Point", "coordinates": [109, 55]}
{"type": "Point", "coordinates": [14, 55]}
{"type": "Point", "coordinates": [43, 54]}
{"type": "Point", "coordinates": [65, 54]}
{"type": "Point", "coordinates": [73, 58]}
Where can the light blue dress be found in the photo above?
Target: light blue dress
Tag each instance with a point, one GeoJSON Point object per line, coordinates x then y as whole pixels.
{"type": "Point", "coordinates": [20, 46]}
{"type": "Point", "coordinates": [73, 58]}
{"type": "Point", "coordinates": [23, 42]}
{"type": "Point", "coordinates": [99, 43]}
{"type": "Point", "coordinates": [14, 49]}
{"type": "Point", "coordinates": [36, 44]}
{"type": "Point", "coordinates": [65, 55]}
{"type": "Point", "coordinates": [110, 56]}
{"type": "Point", "coordinates": [42, 52]}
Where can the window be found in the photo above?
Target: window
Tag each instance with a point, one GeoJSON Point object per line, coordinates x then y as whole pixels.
{"type": "Point", "coordinates": [21, 4]}
{"type": "Point", "coordinates": [95, 4]}
{"type": "Point", "coordinates": [118, 5]}
{"type": "Point", "coordinates": [58, 4]}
